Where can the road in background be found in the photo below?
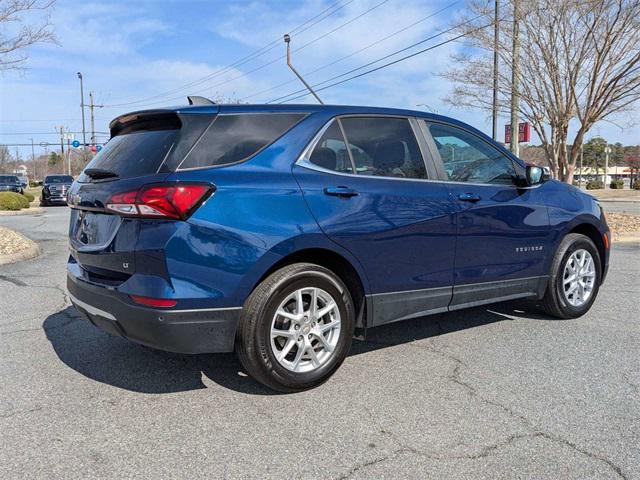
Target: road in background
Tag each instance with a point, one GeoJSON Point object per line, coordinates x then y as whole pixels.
{"type": "Point", "coordinates": [497, 392]}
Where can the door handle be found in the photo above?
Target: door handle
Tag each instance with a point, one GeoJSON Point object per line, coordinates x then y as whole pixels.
{"type": "Point", "coordinates": [469, 197]}
{"type": "Point", "coordinates": [344, 192]}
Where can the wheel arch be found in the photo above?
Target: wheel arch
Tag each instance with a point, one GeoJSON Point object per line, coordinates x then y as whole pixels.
{"type": "Point", "coordinates": [338, 264]}
{"type": "Point", "coordinates": [591, 231]}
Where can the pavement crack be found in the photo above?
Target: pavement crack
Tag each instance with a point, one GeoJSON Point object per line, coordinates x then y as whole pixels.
{"type": "Point", "coordinates": [355, 469]}
{"type": "Point", "coordinates": [15, 281]}
{"type": "Point", "coordinates": [575, 447]}
{"type": "Point", "coordinates": [70, 319]}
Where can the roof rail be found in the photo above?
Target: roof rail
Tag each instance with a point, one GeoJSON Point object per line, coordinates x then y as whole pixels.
{"type": "Point", "coordinates": [196, 100]}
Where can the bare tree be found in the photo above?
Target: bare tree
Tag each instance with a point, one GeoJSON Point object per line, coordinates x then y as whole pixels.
{"type": "Point", "coordinates": [580, 63]}
{"type": "Point", "coordinates": [5, 159]}
{"type": "Point", "coordinates": [17, 34]}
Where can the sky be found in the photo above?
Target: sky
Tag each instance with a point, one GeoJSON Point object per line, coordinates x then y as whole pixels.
{"type": "Point", "coordinates": [141, 54]}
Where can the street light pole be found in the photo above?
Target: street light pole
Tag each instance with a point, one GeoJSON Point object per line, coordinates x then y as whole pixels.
{"type": "Point", "coordinates": [515, 64]}
{"type": "Point", "coordinates": [84, 135]}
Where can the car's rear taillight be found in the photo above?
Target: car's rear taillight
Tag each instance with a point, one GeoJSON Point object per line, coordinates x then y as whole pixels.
{"type": "Point", "coordinates": [171, 200]}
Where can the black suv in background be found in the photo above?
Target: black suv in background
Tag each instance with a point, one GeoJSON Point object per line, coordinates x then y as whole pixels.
{"type": "Point", "coordinates": [10, 183]}
{"type": "Point", "coordinates": [54, 189]}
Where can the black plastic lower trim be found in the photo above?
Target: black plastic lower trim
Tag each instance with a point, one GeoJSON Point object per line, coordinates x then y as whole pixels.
{"type": "Point", "coordinates": [180, 331]}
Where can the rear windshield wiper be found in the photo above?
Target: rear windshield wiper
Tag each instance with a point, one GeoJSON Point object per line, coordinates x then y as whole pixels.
{"type": "Point", "coordinates": [100, 173]}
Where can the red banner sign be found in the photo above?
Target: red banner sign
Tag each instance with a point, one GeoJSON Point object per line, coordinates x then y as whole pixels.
{"type": "Point", "coordinates": [524, 132]}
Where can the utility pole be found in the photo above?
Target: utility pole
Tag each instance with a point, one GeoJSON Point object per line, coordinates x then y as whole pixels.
{"type": "Point", "coordinates": [84, 136]}
{"type": "Point", "coordinates": [33, 159]}
{"type": "Point", "coordinates": [607, 151]}
{"type": "Point", "coordinates": [69, 154]}
{"type": "Point", "coordinates": [515, 61]}
{"type": "Point", "coordinates": [496, 40]}
{"type": "Point", "coordinates": [93, 129]}
{"type": "Point", "coordinates": [61, 139]}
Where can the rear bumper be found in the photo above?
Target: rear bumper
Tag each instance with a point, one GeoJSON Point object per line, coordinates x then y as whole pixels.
{"type": "Point", "coordinates": [180, 331]}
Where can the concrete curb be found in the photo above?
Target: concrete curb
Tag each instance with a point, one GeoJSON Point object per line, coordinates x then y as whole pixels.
{"type": "Point", "coordinates": [24, 211]}
{"type": "Point", "coordinates": [629, 237]}
{"type": "Point", "coordinates": [31, 251]}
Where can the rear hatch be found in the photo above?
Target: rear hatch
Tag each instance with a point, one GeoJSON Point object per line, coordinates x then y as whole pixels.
{"type": "Point", "coordinates": [126, 201]}
{"type": "Point", "coordinates": [144, 149]}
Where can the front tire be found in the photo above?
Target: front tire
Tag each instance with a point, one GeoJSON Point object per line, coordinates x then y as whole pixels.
{"type": "Point", "coordinates": [574, 279]}
{"type": "Point", "coordinates": [296, 327]}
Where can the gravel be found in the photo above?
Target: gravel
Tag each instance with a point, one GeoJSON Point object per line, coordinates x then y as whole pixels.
{"type": "Point", "coordinates": [13, 242]}
{"type": "Point", "coordinates": [621, 224]}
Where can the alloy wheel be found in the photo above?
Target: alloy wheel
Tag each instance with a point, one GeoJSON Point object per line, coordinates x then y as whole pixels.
{"type": "Point", "coordinates": [579, 278]}
{"type": "Point", "coordinates": [305, 330]}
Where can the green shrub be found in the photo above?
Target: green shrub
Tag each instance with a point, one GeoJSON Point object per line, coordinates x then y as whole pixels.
{"type": "Point", "coordinates": [29, 196]}
{"type": "Point", "coordinates": [616, 184]}
{"type": "Point", "coordinates": [636, 185]}
{"type": "Point", "coordinates": [595, 185]}
{"type": "Point", "coordinates": [13, 201]}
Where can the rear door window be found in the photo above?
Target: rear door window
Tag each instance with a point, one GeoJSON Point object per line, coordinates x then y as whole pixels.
{"type": "Point", "coordinates": [384, 146]}
{"type": "Point", "coordinates": [233, 138]}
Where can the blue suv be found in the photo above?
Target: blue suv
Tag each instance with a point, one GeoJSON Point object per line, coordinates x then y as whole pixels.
{"type": "Point", "coordinates": [280, 231]}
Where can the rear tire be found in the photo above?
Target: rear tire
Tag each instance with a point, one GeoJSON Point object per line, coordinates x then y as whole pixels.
{"type": "Point", "coordinates": [574, 279]}
{"type": "Point", "coordinates": [296, 328]}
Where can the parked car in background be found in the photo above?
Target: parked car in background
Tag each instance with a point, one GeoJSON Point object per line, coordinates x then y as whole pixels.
{"type": "Point", "coordinates": [54, 189]}
{"type": "Point", "coordinates": [10, 183]}
{"type": "Point", "coordinates": [24, 180]}
{"type": "Point", "coordinates": [278, 231]}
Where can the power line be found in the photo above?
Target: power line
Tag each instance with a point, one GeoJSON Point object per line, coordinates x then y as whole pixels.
{"type": "Point", "coordinates": [36, 144]}
{"type": "Point", "coordinates": [277, 59]}
{"type": "Point", "coordinates": [257, 53]}
{"type": "Point", "coordinates": [339, 27]}
{"type": "Point", "coordinates": [377, 42]}
{"type": "Point", "coordinates": [47, 133]}
{"type": "Point", "coordinates": [380, 67]}
{"type": "Point", "coordinates": [404, 49]}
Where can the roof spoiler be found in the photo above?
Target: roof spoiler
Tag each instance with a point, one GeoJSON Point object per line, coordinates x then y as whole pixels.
{"type": "Point", "coordinates": [196, 100]}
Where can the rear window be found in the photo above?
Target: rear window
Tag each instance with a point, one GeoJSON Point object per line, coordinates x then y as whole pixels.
{"type": "Point", "coordinates": [58, 179]}
{"type": "Point", "coordinates": [233, 138]}
{"type": "Point", "coordinates": [135, 154]}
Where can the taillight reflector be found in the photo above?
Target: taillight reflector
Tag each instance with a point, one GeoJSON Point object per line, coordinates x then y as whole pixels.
{"type": "Point", "coordinates": [154, 302]}
{"type": "Point", "coordinates": [175, 201]}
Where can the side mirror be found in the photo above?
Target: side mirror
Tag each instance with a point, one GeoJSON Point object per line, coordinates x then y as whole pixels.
{"type": "Point", "coordinates": [535, 175]}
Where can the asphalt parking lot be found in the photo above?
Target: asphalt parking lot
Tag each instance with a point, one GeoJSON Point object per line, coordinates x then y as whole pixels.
{"type": "Point", "coordinates": [498, 392]}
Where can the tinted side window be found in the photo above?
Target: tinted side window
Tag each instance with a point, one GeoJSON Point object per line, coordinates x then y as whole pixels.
{"type": "Point", "coordinates": [232, 138]}
{"type": "Point", "coordinates": [467, 158]}
{"type": "Point", "coordinates": [331, 152]}
{"type": "Point", "coordinates": [384, 147]}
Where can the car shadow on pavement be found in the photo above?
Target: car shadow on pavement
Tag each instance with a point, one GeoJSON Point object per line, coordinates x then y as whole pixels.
{"type": "Point", "coordinates": [124, 364]}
